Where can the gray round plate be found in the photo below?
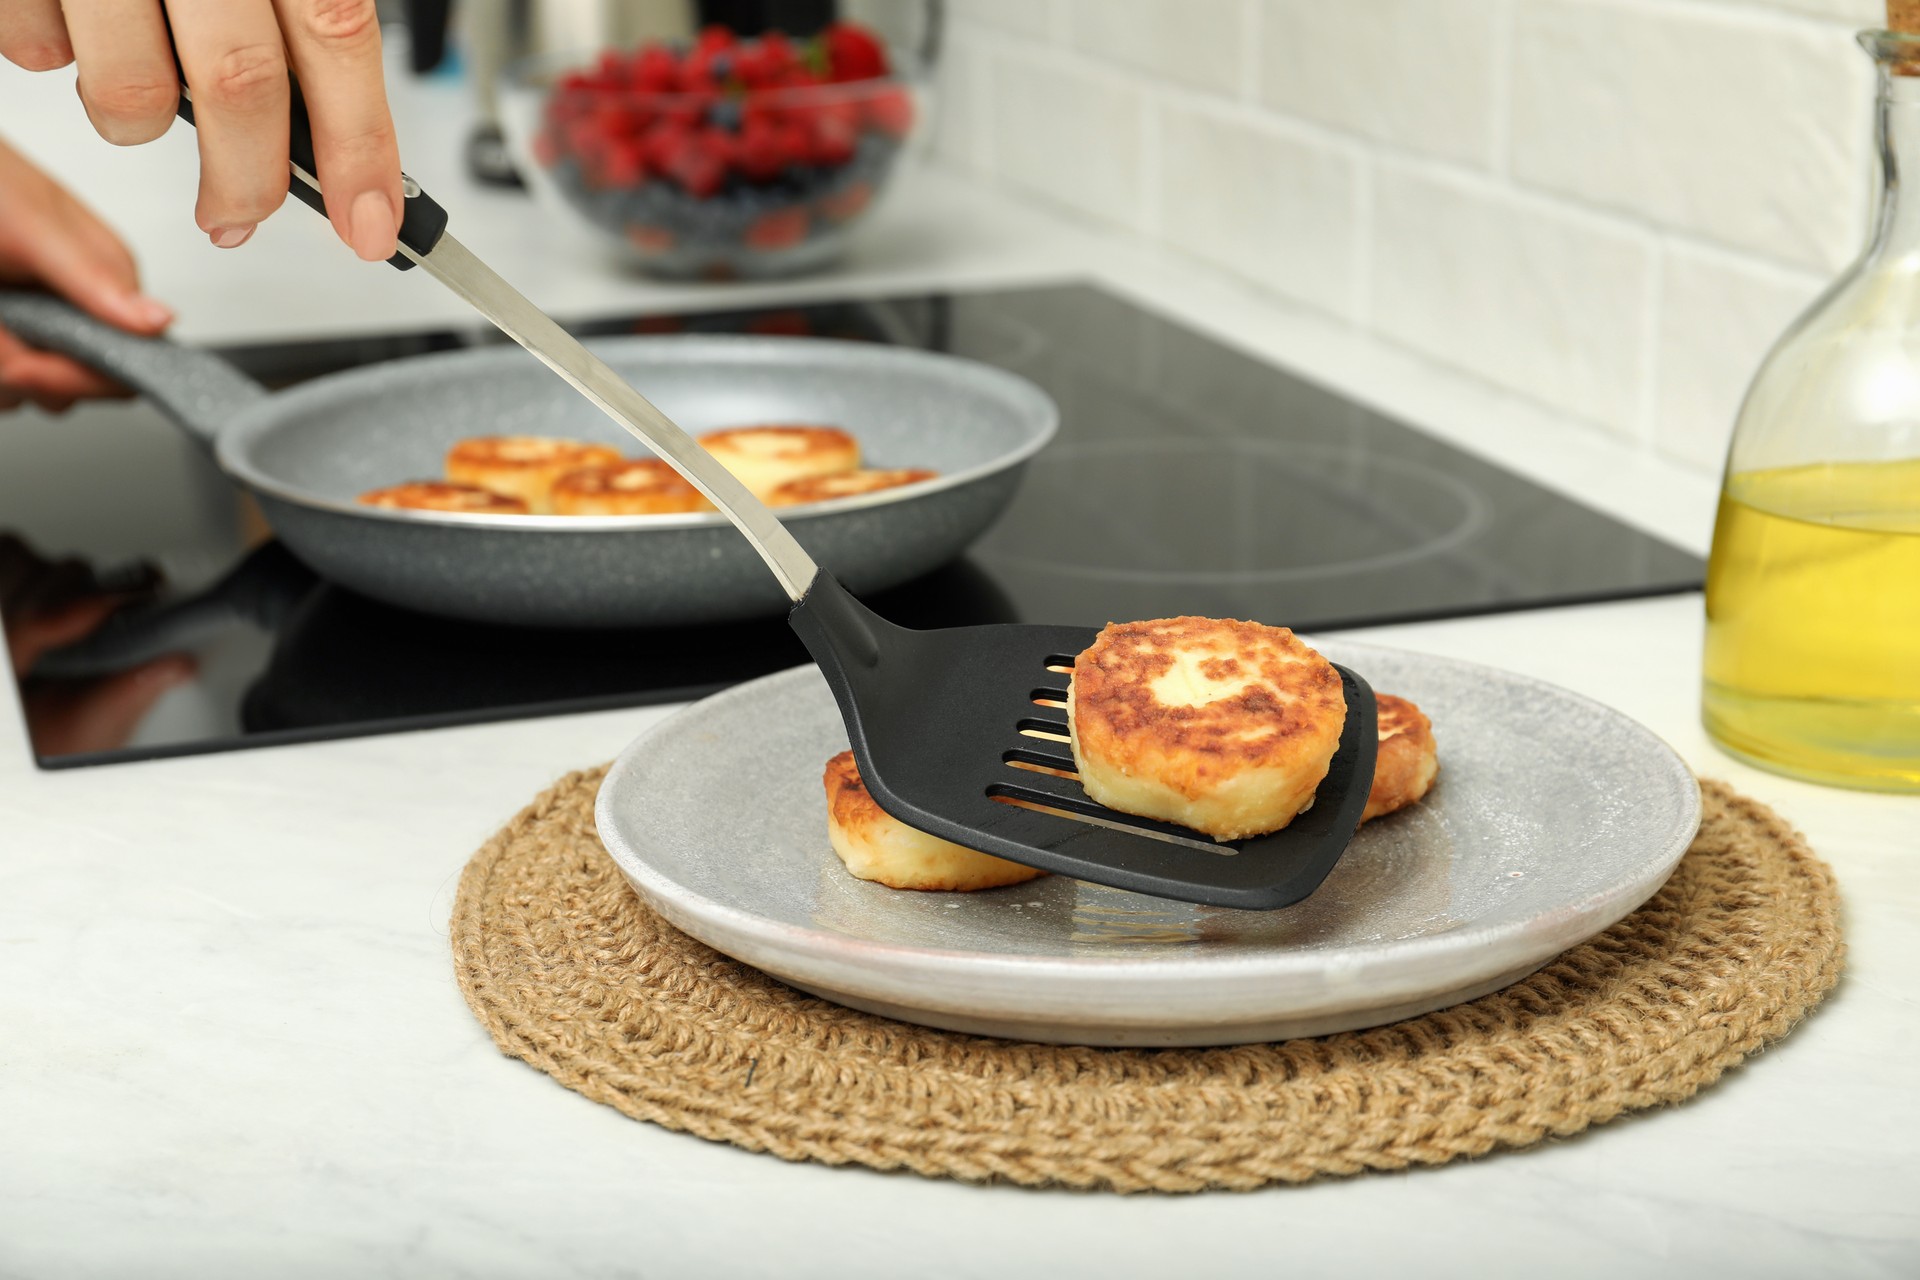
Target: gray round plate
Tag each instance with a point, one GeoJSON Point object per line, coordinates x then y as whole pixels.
{"type": "Point", "coordinates": [1553, 817]}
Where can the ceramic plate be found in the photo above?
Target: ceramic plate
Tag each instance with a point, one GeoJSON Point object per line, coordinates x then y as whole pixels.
{"type": "Point", "coordinates": [1553, 817]}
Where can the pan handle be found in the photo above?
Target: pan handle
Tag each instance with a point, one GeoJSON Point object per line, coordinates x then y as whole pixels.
{"type": "Point", "coordinates": [200, 392]}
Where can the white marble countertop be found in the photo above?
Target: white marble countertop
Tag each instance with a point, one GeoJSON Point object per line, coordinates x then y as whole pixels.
{"type": "Point", "coordinates": [233, 1043]}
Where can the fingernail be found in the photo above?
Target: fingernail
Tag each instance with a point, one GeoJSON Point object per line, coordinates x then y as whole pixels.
{"type": "Point", "coordinates": [152, 313]}
{"type": "Point", "coordinates": [373, 226]}
{"type": "Point", "coordinates": [231, 237]}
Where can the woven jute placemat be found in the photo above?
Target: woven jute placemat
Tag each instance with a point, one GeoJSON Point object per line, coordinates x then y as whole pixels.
{"type": "Point", "coordinates": [572, 973]}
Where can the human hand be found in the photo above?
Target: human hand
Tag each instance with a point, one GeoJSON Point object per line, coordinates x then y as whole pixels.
{"type": "Point", "coordinates": [234, 56]}
{"type": "Point", "coordinates": [49, 603]}
{"type": "Point", "coordinates": [50, 240]}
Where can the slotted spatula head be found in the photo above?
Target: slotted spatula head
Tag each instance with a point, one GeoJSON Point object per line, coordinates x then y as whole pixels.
{"type": "Point", "coordinates": [938, 720]}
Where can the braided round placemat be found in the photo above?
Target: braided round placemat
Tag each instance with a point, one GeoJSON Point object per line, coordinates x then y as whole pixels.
{"type": "Point", "coordinates": [571, 972]}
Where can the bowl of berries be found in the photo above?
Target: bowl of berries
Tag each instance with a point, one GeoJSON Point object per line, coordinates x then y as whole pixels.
{"type": "Point", "coordinates": [723, 156]}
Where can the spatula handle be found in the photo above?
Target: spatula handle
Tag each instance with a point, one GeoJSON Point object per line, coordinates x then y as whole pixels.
{"type": "Point", "coordinates": [454, 265]}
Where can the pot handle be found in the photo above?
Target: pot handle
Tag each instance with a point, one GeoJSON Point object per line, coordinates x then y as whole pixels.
{"type": "Point", "coordinates": [199, 391]}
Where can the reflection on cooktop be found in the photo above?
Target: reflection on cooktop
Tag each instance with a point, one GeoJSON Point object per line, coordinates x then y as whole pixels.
{"type": "Point", "coordinates": [341, 659]}
{"type": "Point", "coordinates": [1187, 477]}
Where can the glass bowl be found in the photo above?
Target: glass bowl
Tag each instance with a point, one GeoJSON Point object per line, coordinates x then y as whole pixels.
{"type": "Point", "coordinates": [720, 181]}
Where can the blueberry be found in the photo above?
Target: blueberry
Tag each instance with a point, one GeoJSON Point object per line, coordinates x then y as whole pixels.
{"type": "Point", "coordinates": [726, 114]}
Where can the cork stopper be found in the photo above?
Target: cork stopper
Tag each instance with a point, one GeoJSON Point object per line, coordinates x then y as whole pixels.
{"type": "Point", "coordinates": [1903, 16]}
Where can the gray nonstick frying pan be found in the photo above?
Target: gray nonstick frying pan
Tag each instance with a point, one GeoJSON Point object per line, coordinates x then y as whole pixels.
{"type": "Point", "coordinates": [306, 452]}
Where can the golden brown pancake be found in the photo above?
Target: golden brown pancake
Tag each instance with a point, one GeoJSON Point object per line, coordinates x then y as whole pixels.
{"type": "Point", "coordinates": [437, 495]}
{"type": "Point", "coordinates": [634, 487]}
{"type": "Point", "coordinates": [1222, 726]}
{"type": "Point", "coordinates": [522, 467]}
{"type": "Point", "coordinates": [1408, 759]}
{"type": "Point", "coordinates": [876, 846]}
{"type": "Point", "coordinates": [766, 457]}
{"type": "Point", "coordinates": [845, 484]}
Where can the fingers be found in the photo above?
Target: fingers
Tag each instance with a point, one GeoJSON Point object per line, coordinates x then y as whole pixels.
{"type": "Point", "coordinates": [335, 49]}
{"type": "Point", "coordinates": [50, 381]}
{"type": "Point", "coordinates": [101, 715]}
{"type": "Point", "coordinates": [79, 258]}
{"type": "Point", "coordinates": [33, 34]}
{"type": "Point", "coordinates": [32, 632]}
{"type": "Point", "coordinates": [49, 238]}
{"type": "Point", "coordinates": [236, 66]}
{"type": "Point", "coordinates": [127, 82]}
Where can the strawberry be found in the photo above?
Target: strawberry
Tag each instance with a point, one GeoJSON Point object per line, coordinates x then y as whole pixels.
{"type": "Point", "coordinates": [780, 229]}
{"type": "Point", "coordinates": [853, 53]}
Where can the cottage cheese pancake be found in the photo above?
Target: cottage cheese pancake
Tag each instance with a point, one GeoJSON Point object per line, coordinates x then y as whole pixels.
{"type": "Point", "coordinates": [766, 457]}
{"type": "Point", "coordinates": [523, 467]}
{"type": "Point", "coordinates": [845, 484]}
{"type": "Point", "coordinates": [436, 495]}
{"type": "Point", "coordinates": [1222, 726]}
{"type": "Point", "coordinates": [1408, 758]}
{"type": "Point", "coordinates": [876, 846]}
{"type": "Point", "coordinates": [635, 487]}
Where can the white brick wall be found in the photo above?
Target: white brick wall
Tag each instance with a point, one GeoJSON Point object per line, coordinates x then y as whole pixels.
{"type": "Point", "coordinates": [1609, 206]}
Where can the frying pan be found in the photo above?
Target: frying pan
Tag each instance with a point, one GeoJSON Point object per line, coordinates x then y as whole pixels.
{"type": "Point", "coordinates": [305, 453]}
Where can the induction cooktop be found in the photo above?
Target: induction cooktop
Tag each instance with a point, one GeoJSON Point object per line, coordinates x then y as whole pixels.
{"type": "Point", "coordinates": [1187, 477]}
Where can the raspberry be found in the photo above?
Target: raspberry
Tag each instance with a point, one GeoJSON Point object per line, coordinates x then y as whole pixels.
{"type": "Point", "coordinates": [656, 70]}
{"type": "Point", "coordinates": [836, 132]}
{"type": "Point", "coordinates": [625, 166]}
{"type": "Point", "coordinates": [661, 145]}
{"type": "Point", "coordinates": [781, 229]}
{"type": "Point", "coordinates": [845, 206]}
{"type": "Point", "coordinates": [649, 239]}
{"type": "Point", "coordinates": [890, 111]}
{"type": "Point", "coordinates": [761, 153]}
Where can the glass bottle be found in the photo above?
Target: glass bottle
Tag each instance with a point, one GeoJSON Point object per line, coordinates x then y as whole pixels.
{"type": "Point", "coordinates": [1812, 664]}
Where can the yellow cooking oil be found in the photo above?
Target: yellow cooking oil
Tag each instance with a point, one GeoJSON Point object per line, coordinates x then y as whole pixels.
{"type": "Point", "coordinates": [1813, 622]}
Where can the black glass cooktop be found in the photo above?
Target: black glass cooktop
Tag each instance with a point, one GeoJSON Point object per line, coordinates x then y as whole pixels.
{"type": "Point", "coordinates": [1187, 478]}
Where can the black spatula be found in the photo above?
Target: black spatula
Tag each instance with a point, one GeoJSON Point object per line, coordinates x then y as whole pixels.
{"type": "Point", "coordinates": [938, 719]}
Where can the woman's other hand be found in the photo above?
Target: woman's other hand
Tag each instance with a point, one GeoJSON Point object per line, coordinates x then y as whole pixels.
{"type": "Point", "coordinates": [49, 240]}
